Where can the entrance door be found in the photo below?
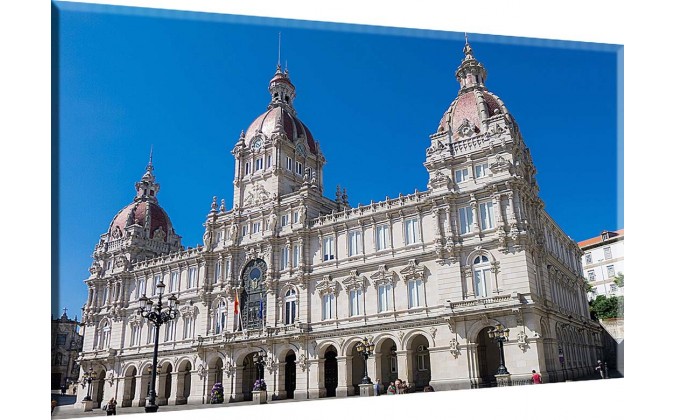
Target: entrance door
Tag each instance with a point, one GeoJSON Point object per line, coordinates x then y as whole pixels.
{"type": "Point", "coordinates": [290, 375]}
{"type": "Point", "coordinates": [331, 373]}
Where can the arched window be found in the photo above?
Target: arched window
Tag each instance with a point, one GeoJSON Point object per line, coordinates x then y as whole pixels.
{"type": "Point", "coordinates": [290, 307]}
{"type": "Point", "coordinates": [422, 358]}
{"type": "Point", "coordinates": [481, 275]}
{"type": "Point", "coordinates": [104, 335]}
{"type": "Point", "coordinates": [220, 314]}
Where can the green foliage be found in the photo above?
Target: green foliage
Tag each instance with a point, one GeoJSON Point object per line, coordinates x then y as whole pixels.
{"type": "Point", "coordinates": [618, 280]}
{"type": "Point", "coordinates": [588, 286]}
{"type": "Point", "coordinates": [603, 307]}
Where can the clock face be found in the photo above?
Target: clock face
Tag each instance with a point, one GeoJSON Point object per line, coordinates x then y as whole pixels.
{"type": "Point", "coordinates": [257, 143]}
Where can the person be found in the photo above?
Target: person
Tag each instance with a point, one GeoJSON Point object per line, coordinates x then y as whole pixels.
{"type": "Point", "coordinates": [54, 404]}
{"type": "Point", "coordinates": [536, 378]}
{"type": "Point", "coordinates": [600, 369]}
{"type": "Point", "coordinates": [391, 390]}
{"type": "Point", "coordinates": [63, 390]}
{"type": "Point", "coordinates": [428, 388]}
{"type": "Point", "coordinates": [378, 387]}
{"type": "Point", "coordinates": [111, 407]}
{"type": "Point", "coordinates": [404, 387]}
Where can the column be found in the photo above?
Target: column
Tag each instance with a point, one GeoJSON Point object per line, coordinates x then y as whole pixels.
{"type": "Point", "coordinates": [237, 384]}
{"type": "Point", "coordinates": [173, 396]}
{"type": "Point", "coordinates": [280, 381]}
{"type": "Point", "coordinates": [161, 398]}
{"type": "Point", "coordinates": [137, 398]}
{"type": "Point", "coordinates": [315, 378]}
{"type": "Point", "coordinates": [343, 375]}
{"type": "Point", "coordinates": [271, 312]}
{"type": "Point", "coordinates": [301, 381]}
{"type": "Point", "coordinates": [404, 365]}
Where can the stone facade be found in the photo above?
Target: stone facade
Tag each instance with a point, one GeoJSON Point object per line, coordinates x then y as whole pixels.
{"type": "Point", "coordinates": [66, 347]}
{"type": "Point", "coordinates": [424, 276]}
{"type": "Point", "coordinates": [602, 261]}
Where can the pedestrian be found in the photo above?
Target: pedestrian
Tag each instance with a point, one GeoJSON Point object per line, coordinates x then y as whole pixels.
{"type": "Point", "coordinates": [404, 387]}
{"type": "Point", "coordinates": [63, 390]}
{"type": "Point", "coordinates": [391, 390]}
{"type": "Point", "coordinates": [428, 388]}
{"type": "Point", "coordinates": [111, 407]}
{"type": "Point", "coordinates": [378, 387]}
{"type": "Point", "coordinates": [536, 378]}
{"type": "Point", "coordinates": [600, 368]}
{"type": "Point", "coordinates": [54, 404]}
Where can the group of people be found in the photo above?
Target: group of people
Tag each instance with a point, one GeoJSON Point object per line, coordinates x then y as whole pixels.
{"type": "Point", "coordinates": [111, 408]}
{"type": "Point", "coordinates": [396, 387]}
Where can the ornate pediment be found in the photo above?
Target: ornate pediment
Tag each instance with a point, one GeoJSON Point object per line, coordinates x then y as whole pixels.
{"type": "Point", "coordinates": [257, 196]}
{"type": "Point", "coordinates": [354, 281]}
{"type": "Point", "coordinates": [383, 276]}
{"type": "Point", "coordinates": [467, 129]}
{"type": "Point", "coordinates": [327, 285]}
{"type": "Point", "coordinates": [500, 165]}
{"type": "Point", "coordinates": [413, 270]}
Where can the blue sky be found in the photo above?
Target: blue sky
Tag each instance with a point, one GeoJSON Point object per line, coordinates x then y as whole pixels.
{"type": "Point", "coordinates": [188, 83]}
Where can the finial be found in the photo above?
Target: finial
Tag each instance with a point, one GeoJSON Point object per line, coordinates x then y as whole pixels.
{"type": "Point", "coordinates": [222, 205]}
{"type": "Point", "coordinates": [64, 312]}
{"type": "Point", "coordinates": [150, 167]}
{"type": "Point", "coordinates": [466, 39]}
{"type": "Point", "coordinates": [213, 203]}
{"type": "Point", "coordinates": [467, 48]}
{"type": "Point", "coordinates": [279, 57]}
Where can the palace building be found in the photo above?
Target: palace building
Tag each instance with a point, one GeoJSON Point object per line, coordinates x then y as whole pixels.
{"type": "Point", "coordinates": [305, 278]}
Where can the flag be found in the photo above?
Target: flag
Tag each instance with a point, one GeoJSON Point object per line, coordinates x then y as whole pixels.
{"type": "Point", "coordinates": [260, 310]}
{"type": "Point", "coordinates": [236, 302]}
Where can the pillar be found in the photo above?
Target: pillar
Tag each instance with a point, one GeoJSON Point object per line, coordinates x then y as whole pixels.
{"type": "Point", "coordinates": [343, 375]}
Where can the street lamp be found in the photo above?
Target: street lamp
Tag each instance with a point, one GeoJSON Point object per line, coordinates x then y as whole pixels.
{"type": "Point", "coordinates": [87, 377]}
{"type": "Point", "coordinates": [260, 360]}
{"type": "Point", "coordinates": [158, 315]}
{"type": "Point", "coordinates": [365, 348]}
{"type": "Point", "coordinates": [500, 334]}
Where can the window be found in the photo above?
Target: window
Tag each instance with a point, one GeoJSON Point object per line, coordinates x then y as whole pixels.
{"type": "Point", "coordinates": [216, 272]}
{"type": "Point", "coordinates": [259, 164]}
{"type": "Point", "coordinates": [328, 248]}
{"type": "Point", "coordinates": [155, 282]}
{"type": "Point", "coordinates": [173, 284]}
{"type": "Point", "coordinates": [411, 231]}
{"type": "Point", "coordinates": [610, 271]}
{"type": "Point", "coordinates": [384, 298]}
{"type": "Point", "coordinates": [284, 220]}
{"type": "Point", "coordinates": [382, 237]}
{"type": "Point", "coordinates": [104, 335]}
{"type": "Point", "coordinates": [244, 230]}
{"type": "Point", "coordinates": [104, 296]}
{"type": "Point", "coordinates": [354, 243]}
{"type": "Point", "coordinates": [481, 170]}
{"type": "Point", "coordinates": [608, 252]}
{"type": "Point", "coordinates": [289, 163]}
{"type": "Point", "coordinates": [135, 334]}
{"type": "Point", "coordinates": [256, 227]}
{"type": "Point", "coordinates": [296, 256]}
{"type": "Point", "coordinates": [247, 168]}
{"type": "Point", "coordinates": [298, 168]}
{"type": "Point", "coordinates": [591, 275]}
{"type": "Point", "coordinates": [140, 290]}
{"type": "Point", "coordinates": [328, 306]}
{"type": "Point", "coordinates": [220, 321]}
{"type": "Point", "coordinates": [284, 258]}
{"type": "Point", "coordinates": [613, 288]}
{"type": "Point", "coordinates": [188, 327]}
{"type": "Point", "coordinates": [422, 358]}
{"type": "Point", "coordinates": [60, 339]}
{"type": "Point", "coordinates": [296, 216]}
{"type": "Point", "coordinates": [461, 175]}
{"type": "Point", "coordinates": [227, 269]}
{"type": "Point", "coordinates": [269, 161]}
{"type": "Point", "coordinates": [151, 333]}
{"type": "Point", "coordinates": [465, 220]}
{"type": "Point", "coordinates": [414, 293]}
{"type": "Point", "coordinates": [355, 298]}
{"type": "Point", "coordinates": [170, 330]}
{"type": "Point", "coordinates": [290, 301]}
{"type": "Point", "coordinates": [394, 362]}
{"type": "Point", "coordinates": [589, 257]}
{"type": "Point", "coordinates": [192, 277]}
{"type": "Point", "coordinates": [605, 236]}
{"type": "Point", "coordinates": [487, 217]}
{"type": "Point", "coordinates": [481, 275]}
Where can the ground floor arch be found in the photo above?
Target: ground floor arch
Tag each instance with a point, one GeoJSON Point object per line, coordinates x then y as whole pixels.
{"type": "Point", "coordinates": [487, 353]}
{"type": "Point", "coordinates": [330, 371]}
{"type": "Point", "coordinates": [290, 374]}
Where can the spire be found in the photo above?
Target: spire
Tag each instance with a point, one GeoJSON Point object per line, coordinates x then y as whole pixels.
{"type": "Point", "coordinates": [281, 89]}
{"type": "Point", "coordinates": [471, 74]}
{"type": "Point", "coordinates": [147, 188]}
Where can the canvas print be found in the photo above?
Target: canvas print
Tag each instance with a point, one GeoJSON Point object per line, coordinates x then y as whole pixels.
{"type": "Point", "coordinates": [345, 211]}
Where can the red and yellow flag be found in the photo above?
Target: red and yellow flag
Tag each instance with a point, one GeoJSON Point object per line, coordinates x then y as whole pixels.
{"type": "Point", "coordinates": [236, 302]}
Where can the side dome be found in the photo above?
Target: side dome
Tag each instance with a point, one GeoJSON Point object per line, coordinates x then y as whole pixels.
{"type": "Point", "coordinates": [291, 125]}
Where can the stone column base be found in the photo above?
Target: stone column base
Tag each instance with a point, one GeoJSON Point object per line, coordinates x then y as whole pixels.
{"type": "Point", "coordinates": [503, 380]}
{"type": "Point", "coordinates": [88, 405]}
{"type": "Point", "coordinates": [259, 397]}
{"type": "Point", "coordinates": [366, 390]}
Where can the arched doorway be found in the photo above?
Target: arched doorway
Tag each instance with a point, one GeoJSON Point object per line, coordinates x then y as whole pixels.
{"type": "Point", "coordinates": [145, 385]}
{"type": "Point", "coordinates": [358, 369]}
{"type": "Point", "coordinates": [164, 384]}
{"type": "Point", "coordinates": [289, 374]}
{"type": "Point", "coordinates": [184, 383]}
{"type": "Point", "coordinates": [421, 362]}
{"type": "Point", "coordinates": [129, 387]}
{"type": "Point", "coordinates": [215, 374]}
{"type": "Point", "coordinates": [99, 386]}
{"type": "Point", "coordinates": [249, 373]}
{"type": "Point", "coordinates": [253, 298]}
{"type": "Point", "coordinates": [388, 362]}
{"type": "Point", "coordinates": [330, 371]}
{"type": "Point", "coordinates": [488, 358]}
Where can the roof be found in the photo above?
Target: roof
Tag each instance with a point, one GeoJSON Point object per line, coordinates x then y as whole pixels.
{"type": "Point", "coordinates": [613, 234]}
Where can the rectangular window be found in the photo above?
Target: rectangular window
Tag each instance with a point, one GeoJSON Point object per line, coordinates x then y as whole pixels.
{"type": "Point", "coordinates": [328, 306]}
{"type": "Point", "coordinates": [284, 220]}
{"type": "Point", "coordinates": [289, 163]}
{"type": "Point", "coordinates": [157, 279]}
{"type": "Point", "coordinates": [188, 327]}
{"type": "Point", "coordinates": [259, 164]}
{"type": "Point", "coordinates": [256, 227]}
{"type": "Point", "coordinates": [192, 277]}
{"type": "Point", "coordinates": [269, 161]}
{"type": "Point", "coordinates": [465, 220]}
{"type": "Point", "coordinates": [461, 175]}
{"type": "Point", "coordinates": [382, 237]}
{"type": "Point", "coordinates": [411, 231]}
{"type": "Point", "coordinates": [140, 290]}
{"type": "Point", "coordinates": [421, 362]}
{"type": "Point", "coordinates": [589, 257]}
{"type": "Point", "coordinates": [298, 168]}
{"type": "Point", "coordinates": [394, 364]}
{"type": "Point", "coordinates": [284, 258]}
{"type": "Point", "coordinates": [247, 169]}
{"type": "Point", "coordinates": [384, 298]}
{"type": "Point", "coordinates": [414, 293]}
{"type": "Point", "coordinates": [244, 230]}
{"type": "Point", "coordinates": [216, 273]}
{"type": "Point", "coordinates": [355, 297]}
{"type": "Point", "coordinates": [481, 170]}
{"type": "Point", "coordinates": [487, 217]}
{"type": "Point", "coordinates": [613, 288]}
{"type": "Point", "coordinates": [354, 243]}
{"type": "Point", "coordinates": [608, 252]}
{"type": "Point", "coordinates": [170, 330]}
{"type": "Point", "coordinates": [227, 269]}
{"type": "Point", "coordinates": [296, 256]}
{"type": "Point", "coordinates": [328, 248]}
{"type": "Point", "coordinates": [296, 216]}
{"type": "Point", "coordinates": [481, 278]}
{"type": "Point", "coordinates": [173, 284]}
{"type": "Point", "coordinates": [134, 332]}
{"type": "Point", "coordinates": [610, 271]}
{"type": "Point", "coordinates": [591, 275]}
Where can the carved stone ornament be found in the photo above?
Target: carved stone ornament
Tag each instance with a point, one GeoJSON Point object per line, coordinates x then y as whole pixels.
{"type": "Point", "coordinates": [341, 341]}
{"type": "Point", "coordinates": [500, 165]}
{"type": "Point", "coordinates": [257, 196]}
{"type": "Point", "coordinates": [522, 341]}
{"type": "Point", "coordinates": [433, 331]}
{"type": "Point", "coordinates": [201, 370]}
{"type": "Point", "coordinates": [466, 129]}
{"type": "Point", "coordinates": [95, 268]}
{"type": "Point", "coordinates": [302, 362]}
{"type": "Point", "coordinates": [354, 281]}
{"type": "Point", "coordinates": [121, 262]}
{"type": "Point", "coordinates": [413, 270]}
{"type": "Point", "coordinates": [383, 276]}
{"type": "Point", "coordinates": [454, 347]}
{"type": "Point", "coordinates": [484, 320]}
{"type": "Point", "coordinates": [229, 369]}
{"type": "Point", "coordinates": [401, 334]}
{"type": "Point", "coordinates": [327, 285]}
{"type": "Point", "coordinates": [159, 234]}
{"type": "Point", "coordinates": [116, 233]}
{"type": "Point", "coordinates": [439, 181]}
{"type": "Point", "coordinates": [110, 378]}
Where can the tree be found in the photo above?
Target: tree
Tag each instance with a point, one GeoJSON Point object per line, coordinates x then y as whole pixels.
{"type": "Point", "coordinates": [618, 280]}
{"type": "Point", "coordinates": [603, 307]}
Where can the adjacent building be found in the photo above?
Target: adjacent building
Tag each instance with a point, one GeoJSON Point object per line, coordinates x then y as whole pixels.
{"type": "Point", "coordinates": [66, 346]}
{"type": "Point", "coordinates": [305, 278]}
{"type": "Point", "coordinates": [602, 262]}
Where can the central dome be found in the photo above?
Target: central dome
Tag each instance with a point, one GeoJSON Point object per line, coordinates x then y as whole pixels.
{"type": "Point", "coordinates": [290, 124]}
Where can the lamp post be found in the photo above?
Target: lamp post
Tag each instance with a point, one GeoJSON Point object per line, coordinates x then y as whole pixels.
{"type": "Point", "coordinates": [365, 348]}
{"type": "Point", "coordinates": [87, 377]}
{"type": "Point", "coordinates": [500, 334]}
{"type": "Point", "coordinates": [260, 360]}
{"type": "Point", "coordinates": [158, 315]}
